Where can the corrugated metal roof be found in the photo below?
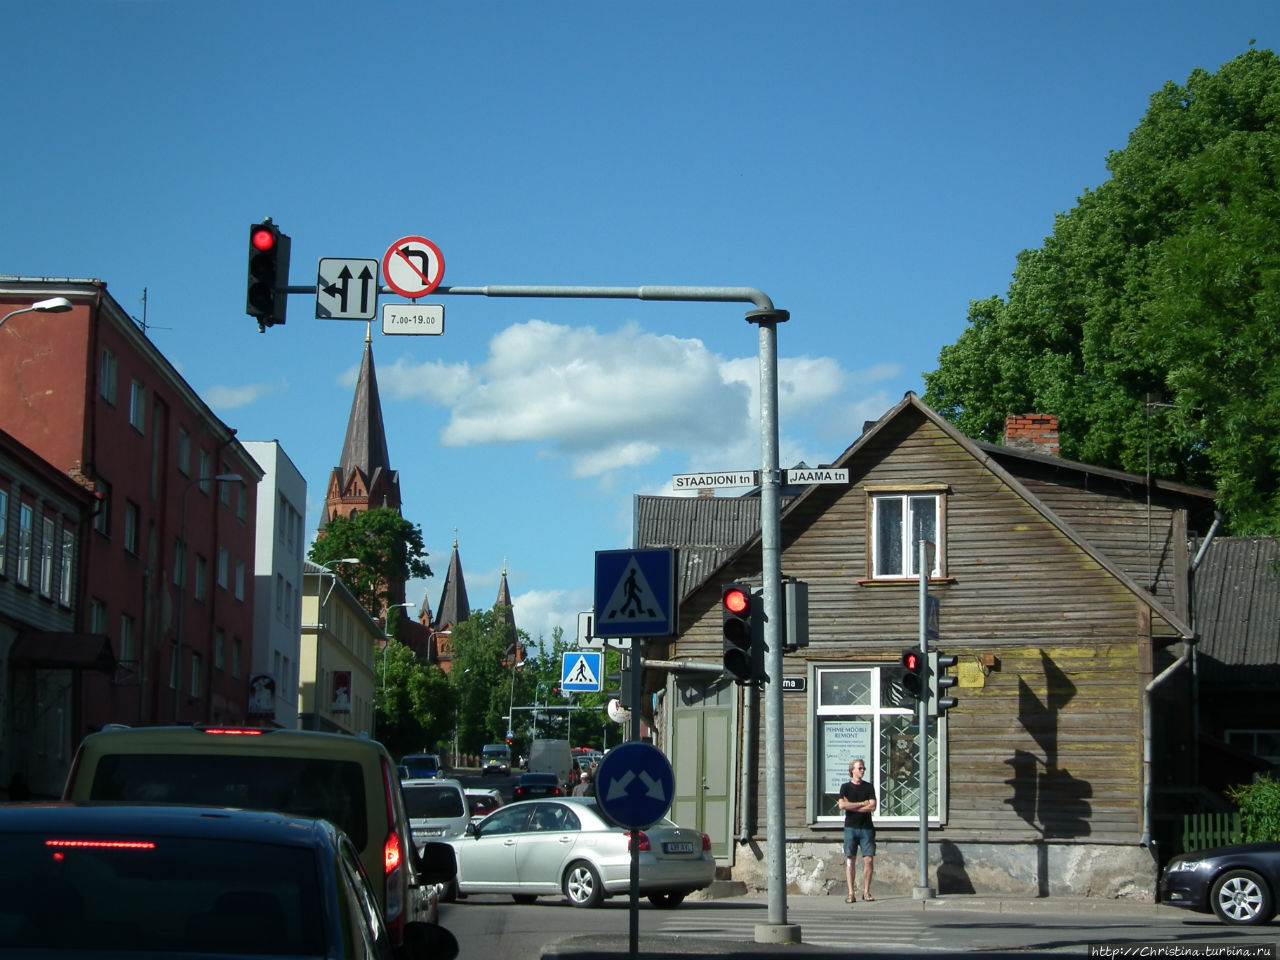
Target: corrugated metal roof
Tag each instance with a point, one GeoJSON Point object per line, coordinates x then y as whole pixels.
{"type": "Point", "coordinates": [1237, 600]}
{"type": "Point", "coordinates": [707, 530]}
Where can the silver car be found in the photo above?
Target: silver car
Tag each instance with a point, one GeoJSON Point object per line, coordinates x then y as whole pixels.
{"type": "Point", "coordinates": [437, 809]}
{"type": "Point", "coordinates": [566, 846]}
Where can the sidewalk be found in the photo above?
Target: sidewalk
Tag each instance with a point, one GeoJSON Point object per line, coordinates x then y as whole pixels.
{"type": "Point", "coordinates": [655, 946]}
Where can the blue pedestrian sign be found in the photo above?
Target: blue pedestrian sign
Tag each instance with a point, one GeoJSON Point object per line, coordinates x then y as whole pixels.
{"type": "Point", "coordinates": [582, 671]}
{"type": "Point", "coordinates": [635, 593]}
{"type": "Point", "coordinates": [635, 785]}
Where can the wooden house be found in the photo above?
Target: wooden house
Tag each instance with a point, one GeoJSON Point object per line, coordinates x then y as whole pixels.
{"type": "Point", "coordinates": [1061, 588]}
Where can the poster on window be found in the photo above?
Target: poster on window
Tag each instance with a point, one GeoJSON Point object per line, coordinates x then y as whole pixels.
{"type": "Point", "coordinates": [842, 741]}
{"type": "Point", "coordinates": [262, 696]}
{"type": "Point", "coordinates": [341, 702]}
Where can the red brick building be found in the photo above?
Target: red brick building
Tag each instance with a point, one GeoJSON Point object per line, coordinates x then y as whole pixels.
{"type": "Point", "coordinates": [87, 391]}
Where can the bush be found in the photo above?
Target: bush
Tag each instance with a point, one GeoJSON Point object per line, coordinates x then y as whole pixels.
{"type": "Point", "coordinates": [1259, 804]}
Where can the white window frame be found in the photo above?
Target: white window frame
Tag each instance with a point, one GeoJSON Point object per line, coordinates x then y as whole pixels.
{"type": "Point", "coordinates": [196, 664]}
{"type": "Point", "coordinates": [876, 732]}
{"type": "Point", "coordinates": [97, 616]}
{"type": "Point", "coordinates": [128, 637]}
{"type": "Point", "coordinates": [138, 405]}
{"type": "Point", "coordinates": [239, 591]}
{"type": "Point", "coordinates": [67, 566]}
{"type": "Point", "coordinates": [910, 505]}
{"type": "Point", "coordinates": [108, 367]}
{"type": "Point", "coordinates": [26, 531]}
{"type": "Point", "coordinates": [184, 452]}
{"type": "Point", "coordinates": [47, 529]}
{"type": "Point", "coordinates": [132, 522]}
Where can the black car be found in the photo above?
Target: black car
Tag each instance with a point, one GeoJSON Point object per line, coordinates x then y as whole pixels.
{"type": "Point", "coordinates": [536, 786]}
{"type": "Point", "coordinates": [1239, 883]}
{"type": "Point", "coordinates": [168, 880]}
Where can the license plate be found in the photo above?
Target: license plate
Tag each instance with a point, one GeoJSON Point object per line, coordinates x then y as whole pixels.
{"type": "Point", "coordinates": [433, 832]}
{"type": "Point", "coordinates": [681, 847]}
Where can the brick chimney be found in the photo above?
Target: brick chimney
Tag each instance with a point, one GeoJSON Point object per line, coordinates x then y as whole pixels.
{"type": "Point", "coordinates": [1032, 433]}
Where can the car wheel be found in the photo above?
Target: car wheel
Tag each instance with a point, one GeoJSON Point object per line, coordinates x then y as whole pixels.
{"type": "Point", "coordinates": [666, 901]}
{"type": "Point", "coordinates": [1241, 897]}
{"type": "Point", "coordinates": [582, 885]}
{"type": "Point", "coordinates": [525, 898]}
{"type": "Point", "coordinates": [450, 892]}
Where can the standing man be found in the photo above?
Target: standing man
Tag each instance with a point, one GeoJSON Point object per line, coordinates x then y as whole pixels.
{"type": "Point", "coordinates": [858, 801]}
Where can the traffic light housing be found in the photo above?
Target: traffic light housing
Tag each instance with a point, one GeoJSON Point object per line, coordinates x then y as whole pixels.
{"type": "Point", "coordinates": [268, 273]}
{"type": "Point", "coordinates": [940, 682]}
{"type": "Point", "coordinates": [912, 675]}
{"type": "Point", "coordinates": [740, 629]}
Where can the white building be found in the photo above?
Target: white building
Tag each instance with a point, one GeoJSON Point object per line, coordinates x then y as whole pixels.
{"type": "Point", "coordinates": [277, 614]}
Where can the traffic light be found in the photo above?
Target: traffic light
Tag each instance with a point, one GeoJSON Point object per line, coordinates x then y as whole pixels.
{"type": "Point", "coordinates": [940, 683]}
{"type": "Point", "coordinates": [268, 271]}
{"type": "Point", "coordinates": [737, 608]}
{"type": "Point", "coordinates": [509, 742]}
{"type": "Point", "coordinates": [912, 676]}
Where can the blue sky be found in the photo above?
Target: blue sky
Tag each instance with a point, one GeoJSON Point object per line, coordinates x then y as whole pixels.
{"type": "Point", "coordinates": [870, 167]}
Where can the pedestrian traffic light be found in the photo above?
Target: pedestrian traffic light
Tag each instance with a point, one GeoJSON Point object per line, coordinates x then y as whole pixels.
{"type": "Point", "coordinates": [268, 273]}
{"type": "Point", "coordinates": [912, 676]}
{"type": "Point", "coordinates": [736, 609]}
{"type": "Point", "coordinates": [940, 682]}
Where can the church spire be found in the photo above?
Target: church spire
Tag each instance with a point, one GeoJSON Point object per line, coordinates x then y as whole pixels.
{"type": "Point", "coordinates": [454, 608]}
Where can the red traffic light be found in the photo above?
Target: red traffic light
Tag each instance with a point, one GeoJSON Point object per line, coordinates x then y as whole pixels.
{"type": "Point", "coordinates": [736, 600]}
{"type": "Point", "coordinates": [912, 661]}
{"type": "Point", "coordinates": [263, 239]}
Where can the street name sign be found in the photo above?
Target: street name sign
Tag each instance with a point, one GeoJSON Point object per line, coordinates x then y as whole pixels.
{"type": "Point", "coordinates": [697, 481]}
{"type": "Point", "coordinates": [346, 289]}
{"type": "Point", "coordinates": [403, 318]}
{"type": "Point", "coordinates": [413, 267]}
{"type": "Point", "coordinates": [816, 475]}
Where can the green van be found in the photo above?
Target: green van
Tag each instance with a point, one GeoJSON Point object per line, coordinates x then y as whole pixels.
{"type": "Point", "coordinates": [349, 781]}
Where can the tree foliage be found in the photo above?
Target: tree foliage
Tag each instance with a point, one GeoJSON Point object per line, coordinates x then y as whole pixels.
{"type": "Point", "coordinates": [1259, 804]}
{"type": "Point", "coordinates": [389, 549]}
{"type": "Point", "coordinates": [1149, 321]}
{"type": "Point", "coordinates": [415, 705]}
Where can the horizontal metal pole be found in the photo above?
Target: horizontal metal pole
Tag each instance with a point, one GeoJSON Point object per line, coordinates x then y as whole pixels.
{"type": "Point", "coordinates": [685, 294]}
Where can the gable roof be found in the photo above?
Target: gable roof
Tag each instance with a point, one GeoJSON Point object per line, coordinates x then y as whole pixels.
{"type": "Point", "coordinates": [1237, 611]}
{"type": "Point", "coordinates": [990, 460]}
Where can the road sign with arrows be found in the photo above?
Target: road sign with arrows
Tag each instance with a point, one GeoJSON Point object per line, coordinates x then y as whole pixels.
{"type": "Point", "coordinates": [347, 289]}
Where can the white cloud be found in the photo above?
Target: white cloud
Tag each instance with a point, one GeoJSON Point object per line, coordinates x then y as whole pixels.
{"type": "Point", "coordinates": [229, 398]}
{"type": "Point", "coordinates": [539, 612]}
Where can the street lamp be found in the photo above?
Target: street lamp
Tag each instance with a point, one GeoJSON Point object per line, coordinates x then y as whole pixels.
{"type": "Point", "coordinates": [386, 643]}
{"type": "Point", "coordinates": [55, 305]}
{"type": "Point", "coordinates": [333, 575]}
{"type": "Point", "coordinates": [182, 562]}
{"type": "Point", "coordinates": [511, 700]}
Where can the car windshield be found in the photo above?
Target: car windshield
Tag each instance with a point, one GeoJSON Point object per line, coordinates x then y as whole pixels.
{"type": "Point", "coordinates": [432, 802]}
{"type": "Point", "coordinates": [329, 789]}
{"type": "Point", "coordinates": [145, 894]}
{"type": "Point", "coordinates": [421, 766]}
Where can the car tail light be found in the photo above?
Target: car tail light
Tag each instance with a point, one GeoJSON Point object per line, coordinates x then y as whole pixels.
{"type": "Point", "coordinates": [642, 841]}
{"type": "Point", "coordinates": [233, 731]}
{"type": "Point", "coordinates": [706, 844]}
{"type": "Point", "coordinates": [393, 854]}
{"type": "Point", "coordinates": [555, 792]}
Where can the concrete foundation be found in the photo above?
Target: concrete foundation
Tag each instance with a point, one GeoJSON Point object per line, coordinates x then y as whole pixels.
{"type": "Point", "coordinates": [1039, 869]}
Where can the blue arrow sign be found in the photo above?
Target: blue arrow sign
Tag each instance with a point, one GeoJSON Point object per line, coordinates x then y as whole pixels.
{"type": "Point", "coordinates": [635, 785]}
{"type": "Point", "coordinates": [635, 593]}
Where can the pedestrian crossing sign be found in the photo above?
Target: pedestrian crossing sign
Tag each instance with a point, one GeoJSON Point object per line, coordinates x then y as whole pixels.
{"type": "Point", "coordinates": [635, 593]}
{"type": "Point", "coordinates": [582, 671]}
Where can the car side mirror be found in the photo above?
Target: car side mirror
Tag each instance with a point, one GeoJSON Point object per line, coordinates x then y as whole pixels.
{"type": "Point", "coordinates": [471, 830]}
{"type": "Point", "coordinates": [437, 863]}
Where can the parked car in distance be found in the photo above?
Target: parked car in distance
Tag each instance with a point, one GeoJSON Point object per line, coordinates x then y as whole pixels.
{"type": "Point", "coordinates": [566, 846]}
{"type": "Point", "coordinates": [495, 758]}
{"type": "Point", "coordinates": [1238, 883]}
{"type": "Point", "coordinates": [86, 879]}
{"type": "Point", "coordinates": [532, 785]}
{"type": "Point", "coordinates": [422, 766]}
{"type": "Point", "coordinates": [350, 781]}
{"type": "Point", "coordinates": [437, 809]}
{"type": "Point", "coordinates": [482, 801]}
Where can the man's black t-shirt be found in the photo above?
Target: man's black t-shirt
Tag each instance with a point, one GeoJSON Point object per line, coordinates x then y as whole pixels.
{"type": "Point", "coordinates": [857, 792]}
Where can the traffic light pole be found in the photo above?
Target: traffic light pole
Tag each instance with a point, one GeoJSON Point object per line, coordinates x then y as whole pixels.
{"type": "Point", "coordinates": [922, 890]}
{"type": "Point", "coordinates": [766, 318]}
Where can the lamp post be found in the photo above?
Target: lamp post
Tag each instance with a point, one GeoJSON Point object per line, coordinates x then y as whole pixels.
{"type": "Point", "coordinates": [55, 305]}
{"type": "Point", "coordinates": [182, 562]}
{"type": "Point", "coordinates": [387, 638]}
{"type": "Point", "coordinates": [511, 700]}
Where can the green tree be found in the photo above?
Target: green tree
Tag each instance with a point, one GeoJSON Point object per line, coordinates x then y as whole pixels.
{"type": "Point", "coordinates": [1149, 321]}
{"type": "Point", "coordinates": [415, 705]}
{"type": "Point", "coordinates": [388, 547]}
{"type": "Point", "coordinates": [1259, 804]}
{"type": "Point", "coordinates": [482, 681]}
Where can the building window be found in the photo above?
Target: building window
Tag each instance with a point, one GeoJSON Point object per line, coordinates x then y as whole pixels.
{"type": "Point", "coordinates": [102, 516]}
{"type": "Point", "coordinates": [173, 666]}
{"type": "Point", "coordinates": [132, 515]}
{"type": "Point", "coordinates": [128, 638]}
{"type": "Point", "coordinates": [47, 528]}
{"type": "Point", "coordinates": [235, 657]}
{"type": "Point", "coordinates": [1261, 743]}
{"type": "Point", "coordinates": [899, 521]}
{"type": "Point", "coordinates": [242, 502]}
{"type": "Point", "coordinates": [184, 452]}
{"type": "Point", "coordinates": [201, 578]}
{"type": "Point", "coordinates": [4, 533]}
{"type": "Point", "coordinates": [219, 649]}
{"type": "Point", "coordinates": [288, 603]}
{"type": "Point", "coordinates": [26, 525]}
{"type": "Point", "coordinates": [138, 405]}
{"type": "Point", "coordinates": [279, 596]}
{"type": "Point", "coordinates": [68, 556]}
{"type": "Point", "coordinates": [856, 714]}
{"type": "Point", "coordinates": [286, 678]}
{"type": "Point", "coordinates": [282, 519]}
{"type": "Point", "coordinates": [205, 478]}
{"type": "Point", "coordinates": [196, 663]}
{"type": "Point", "coordinates": [97, 616]}
{"type": "Point", "coordinates": [240, 580]}
{"type": "Point", "coordinates": [224, 494]}
{"type": "Point", "coordinates": [107, 376]}
{"type": "Point", "coordinates": [223, 566]}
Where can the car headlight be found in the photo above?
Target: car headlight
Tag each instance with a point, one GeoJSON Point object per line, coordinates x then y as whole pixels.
{"type": "Point", "coordinates": [1186, 866]}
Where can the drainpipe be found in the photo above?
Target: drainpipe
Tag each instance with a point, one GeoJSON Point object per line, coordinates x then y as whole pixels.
{"type": "Point", "coordinates": [1188, 656]}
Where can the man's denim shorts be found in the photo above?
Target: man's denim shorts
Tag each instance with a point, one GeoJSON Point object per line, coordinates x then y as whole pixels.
{"type": "Point", "coordinates": [859, 836]}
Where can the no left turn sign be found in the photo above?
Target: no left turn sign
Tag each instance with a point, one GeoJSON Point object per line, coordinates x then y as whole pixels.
{"type": "Point", "coordinates": [413, 267]}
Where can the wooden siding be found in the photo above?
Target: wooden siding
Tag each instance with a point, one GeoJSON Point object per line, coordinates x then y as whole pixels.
{"type": "Point", "coordinates": [1049, 744]}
